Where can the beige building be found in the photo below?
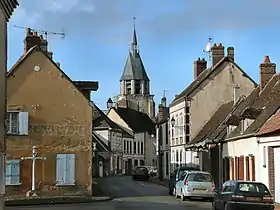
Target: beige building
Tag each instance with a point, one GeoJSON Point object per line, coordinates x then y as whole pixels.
{"type": "Point", "coordinates": [46, 109]}
{"type": "Point", "coordinates": [194, 106]}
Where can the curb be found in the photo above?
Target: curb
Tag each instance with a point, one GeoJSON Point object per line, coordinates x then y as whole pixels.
{"type": "Point", "coordinates": [51, 201]}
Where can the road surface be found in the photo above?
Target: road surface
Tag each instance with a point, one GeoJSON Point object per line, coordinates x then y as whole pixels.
{"type": "Point", "coordinates": [129, 194]}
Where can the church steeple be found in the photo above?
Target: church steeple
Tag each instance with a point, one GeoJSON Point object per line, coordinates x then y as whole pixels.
{"type": "Point", "coordinates": [134, 47]}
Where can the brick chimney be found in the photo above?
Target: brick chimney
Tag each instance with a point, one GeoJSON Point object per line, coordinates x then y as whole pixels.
{"type": "Point", "coordinates": [32, 39]}
{"type": "Point", "coordinates": [199, 67]}
{"type": "Point", "coordinates": [230, 52]}
{"type": "Point", "coordinates": [267, 70]}
{"type": "Point", "coordinates": [218, 53]}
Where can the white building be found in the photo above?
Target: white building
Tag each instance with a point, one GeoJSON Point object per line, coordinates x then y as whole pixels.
{"type": "Point", "coordinates": [193, 107]}
{"type": "Point", "coordinates": [139, 150]}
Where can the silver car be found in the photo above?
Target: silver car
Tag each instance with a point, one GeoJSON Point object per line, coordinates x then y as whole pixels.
{"type": "Point", "coordinates": [198, 184]}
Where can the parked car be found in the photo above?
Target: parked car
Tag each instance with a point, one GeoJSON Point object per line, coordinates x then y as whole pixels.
{"type": "Point", "coordinates": [236, 195]}
{"type": "Point", "coordinates": [197, 184]}
{"type": "Point", "coordinates": [174, 177]}
{"type": "Point", "coordinates": [140, 173]}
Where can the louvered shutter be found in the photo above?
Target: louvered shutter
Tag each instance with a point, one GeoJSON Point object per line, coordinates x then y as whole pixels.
{"type": "Point", "coordinates": [23, 123]}
{"type": "Point", "coordinates": [70, 169]}
{"type": "Point", "coordinates": [8, 172]}
{"type": "Point", "coordinates": [15, 176]}
{"type": "Point", "coordinates": [61, 169]}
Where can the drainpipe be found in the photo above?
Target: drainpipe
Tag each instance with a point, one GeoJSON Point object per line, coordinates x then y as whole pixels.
{"type": "Point", "coordinates": [221, 166]}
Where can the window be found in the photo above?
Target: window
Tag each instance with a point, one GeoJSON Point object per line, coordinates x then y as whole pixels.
{"type": "Point", "coordinates": [124, 146]}
{"type": "Point", "coordinates": [17, 123]}
{"type": "Point", "coordinates": [130, 147]}
{"type": "Point", "coordinates": [252, 188]}
{"type": "Point", "coordinates": [12, 172]}
{"type": "Point", "coordinates": [128, 87]}
{"type": "Point", "coordinates": [167, 164]}
{"type": "Point", "coordinates": [187, 119]}
{"type": "Point", "coordinates": [142, 148]}
{"type": "Point", "coordinates": [65, 169]}
{"type": "Point", "coordinates": [138, 147]}
{"type": "Point", "coordinates": [137, 87]}
{"type": "Point", "coordinates": [134, 149]}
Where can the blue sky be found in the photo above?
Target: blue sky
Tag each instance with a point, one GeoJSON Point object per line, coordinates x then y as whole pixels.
{"type": "Point", "coordinates": [171, 35]}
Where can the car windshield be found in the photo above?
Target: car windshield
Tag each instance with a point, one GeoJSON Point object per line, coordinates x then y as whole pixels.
{"type": "Point", "coordinates": [252, 188]}
{"type": "Point", "coordinates": [140, 169]}
{"type": "Point", "coordinates": [199, 177]}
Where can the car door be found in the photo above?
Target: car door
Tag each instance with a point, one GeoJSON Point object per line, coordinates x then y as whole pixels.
{"type": "Point", "coordinates": [180, 182]}
{"type": "Point", "coordinates": [226, 194]}
{"type": "Point", "coordinates": [218, 196]}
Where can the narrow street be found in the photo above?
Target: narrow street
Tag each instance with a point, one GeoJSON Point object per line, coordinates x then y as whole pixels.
{"type": "Point", "coordinates": [129, 194]}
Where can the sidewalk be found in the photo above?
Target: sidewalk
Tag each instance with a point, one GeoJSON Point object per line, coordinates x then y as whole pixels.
{"type": "Point", "coordinates": [164, 182]}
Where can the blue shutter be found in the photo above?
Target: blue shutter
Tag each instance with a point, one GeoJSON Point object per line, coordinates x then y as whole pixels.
{"type": "Point", "coordinates": [60, 169]}
{"type": "Point", "coordinates": [8, 172]}
{"type": "Point", "coordinates": [70, 169]}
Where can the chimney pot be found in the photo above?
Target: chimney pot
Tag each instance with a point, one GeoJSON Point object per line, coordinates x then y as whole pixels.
{"type": "Point", "coordinates": [28, 32]}
{"type": "Point", "coordinates": [35, 33]}
{"type": "Point", "coordinates": [267, 70]}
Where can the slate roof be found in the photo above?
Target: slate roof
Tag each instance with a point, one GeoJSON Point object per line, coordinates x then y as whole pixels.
{"type": "Point", "coordinates": [29, 52]}
{"type": "Point", "coordinates": [100, 146]}
{"type": "Point", "coordinates": [267, 103]}
{"type": "Point", "coordinates": [8, 6]}
{"type": "Point", "coordinates": [101, 121]}
{"type": "Point", "coordinates": [134, 68]}
{"type": "Point", "coordinates": [271, 126]}
{"type": "Point", "coordinates": [205, 75]}
{"type": "Point", "coordinates": [214, 122]}
{"type": "Point", "coordinates": [138, 121]}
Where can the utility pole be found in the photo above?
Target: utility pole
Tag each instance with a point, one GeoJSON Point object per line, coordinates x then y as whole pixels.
{"type": "Point", "coordinates": [6, 9]}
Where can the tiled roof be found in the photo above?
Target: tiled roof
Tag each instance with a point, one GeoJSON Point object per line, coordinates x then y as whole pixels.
{"type": "Point", "coordinates": [268, 102]}
{"type": "Point", "coordinates": [205, 75]}
{"type": "Point", "coordinates": [213, 123]}
{"type": "Point", "coordinates": [100, 120]}
{"type": "Point", "coordinates": [138, 121]}
{"type": "Point", "coordinates": [271, 125]}
{"type": "Point", "coordinates": [8, 6]}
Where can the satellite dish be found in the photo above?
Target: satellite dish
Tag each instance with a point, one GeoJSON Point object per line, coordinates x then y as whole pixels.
{"type": "Point", "coordinates": [208, 46]}
{"type": "Point", "coordinates": [37, 68]}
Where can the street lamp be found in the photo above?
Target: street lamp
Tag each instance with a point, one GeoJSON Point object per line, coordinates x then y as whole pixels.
{"type": "Point", "coordinates": [109, 103]}
{"type": "Point", "coordinates": [172, 121]}
{"type": "Point", "coordinates": [94, 148]}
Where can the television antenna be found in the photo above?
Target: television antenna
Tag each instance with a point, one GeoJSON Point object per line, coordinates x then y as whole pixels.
{"type": "Point", "coordinates": [208, 47]}
{"type": "Point", "coordinates": [46, 33]}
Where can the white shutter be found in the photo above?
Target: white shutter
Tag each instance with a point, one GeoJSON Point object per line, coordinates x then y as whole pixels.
{"type": "Point", "coordinates": [60, 169]}
{"type": "Point", "coordinates": [23, 123]}
{"type": "Point", "coordinates": [70, 169]}
{"type": "Point", "coordinates": [8, 172]}
{"type": "Point", "coordinates": [15, 172]}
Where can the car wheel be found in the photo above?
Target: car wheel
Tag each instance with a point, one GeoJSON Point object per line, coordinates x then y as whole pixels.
{"type": "Point", "coordinates": [183, 198]}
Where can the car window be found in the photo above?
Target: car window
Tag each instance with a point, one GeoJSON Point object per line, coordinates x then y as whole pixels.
{"type": "Point", "coordinates": [227, 187]}
{"type": "Point", "coordinates": [252, 188]}
{"type": "Point", "coordinates": [180, 173]}
{"type": "Point", "coordinates": [199, 177]}
{"type": "Point", "coordinates": [182, 177]}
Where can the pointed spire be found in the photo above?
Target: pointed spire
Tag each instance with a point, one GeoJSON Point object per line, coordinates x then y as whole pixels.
{"type": "Point", "coordinates": [134, 47]}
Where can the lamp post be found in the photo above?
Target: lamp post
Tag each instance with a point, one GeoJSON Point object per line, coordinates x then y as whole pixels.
{"type": "Point", "coordinates": [110, 103]}
{"type": "Point", "coordinates": [94, 148]}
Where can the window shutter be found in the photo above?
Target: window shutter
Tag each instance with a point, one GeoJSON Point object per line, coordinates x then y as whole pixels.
{"type": "Point", "coordinates": [60, 169]}
{"type": "Point", "coordinates": [70, 169]}
{"type": "Point", "coordinates": [8, 172]}
{"type": "Point", "coordinates": [15, 174]}
{"type": "Point", "coordinates": [23, 123]}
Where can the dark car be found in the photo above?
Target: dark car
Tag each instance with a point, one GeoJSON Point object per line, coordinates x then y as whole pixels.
{"type": "Point", "coordinates": [140, 173]}
{"type": "Point", "coordinates": [174, 177]}
{"type": "Point", "coordinates": [237, 195]}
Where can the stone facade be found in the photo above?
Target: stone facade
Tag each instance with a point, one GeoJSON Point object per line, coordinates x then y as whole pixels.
{"type": "Point", "coordinates": [58, 120]}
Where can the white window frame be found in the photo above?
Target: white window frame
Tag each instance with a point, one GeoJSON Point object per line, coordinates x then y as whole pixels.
{"type": "Point", "coordinates": [65, 173]}
{"type": "Point", "coordinates": [22, 123]}
{"type": "Point", "coordinates": [8, 172]}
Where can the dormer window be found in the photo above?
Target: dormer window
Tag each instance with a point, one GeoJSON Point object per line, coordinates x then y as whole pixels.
{"type": "Point", "coordinates": [245, 124]}
{"type": "Point", "coordinates": [230, 128]}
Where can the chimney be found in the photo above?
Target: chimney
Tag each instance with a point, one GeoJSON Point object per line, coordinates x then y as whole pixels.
{"type": "Point", "coordinates": [58, 64]}
{"type": "Point", "coordinates": [161, 110]}
{"type": "Point", "coordinates": [267, 70]}
{"type": "Point", "coordinates": [236, 93]}
{"type": "Point", "coordinates": [218, 53]}
{"type": "Point", "coordinates": [230, 52]}
{"type": "Point", "coordinates": [50, 54]}
{"type": "Point", "coordinates": [199, 67]}
{"type": "Point", "coordinates": [33, 39]}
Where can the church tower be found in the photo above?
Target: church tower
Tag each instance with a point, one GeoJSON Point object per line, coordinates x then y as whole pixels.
{"type": "Point", "coordinates": [135, 83]}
